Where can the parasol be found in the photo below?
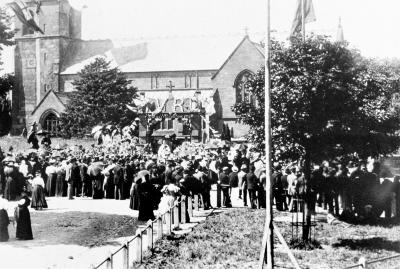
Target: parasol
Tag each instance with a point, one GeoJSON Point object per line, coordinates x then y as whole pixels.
{"type": "Point", "coordinates": [96, 129]}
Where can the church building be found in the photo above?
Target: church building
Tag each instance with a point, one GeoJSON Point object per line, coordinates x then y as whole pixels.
{"type": "Point", "coordinates": [199, 78]}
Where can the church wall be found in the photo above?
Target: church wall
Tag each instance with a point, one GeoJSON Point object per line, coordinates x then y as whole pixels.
{"type": "Point", "coordinates": [24, 98]}
{"type": "Point", "coordinates": [50, 103]}
{"type": "Point", "coordinates": [245, 57]}
{"type": "Point", "coordinates": [143, 80]}
{"type": "Point", "coordinates": [55, 20]}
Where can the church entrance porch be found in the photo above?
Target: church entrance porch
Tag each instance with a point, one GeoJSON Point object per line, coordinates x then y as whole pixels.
{"type": "Point", "coordinates": [51, 124]}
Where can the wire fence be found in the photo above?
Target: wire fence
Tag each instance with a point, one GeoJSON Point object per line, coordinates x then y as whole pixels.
{"type": "Point", "coordinates": [134, 249]}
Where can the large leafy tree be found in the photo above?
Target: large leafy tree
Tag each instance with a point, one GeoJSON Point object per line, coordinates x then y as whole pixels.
{"type": "Point", "coordinates": [101, 97]}
{"type": "Point", "coordinates": [327, 101]}
{"type": "Point", "coordinates": [7, 83]}
{"type": "Point", "coordinates": [7, 80]}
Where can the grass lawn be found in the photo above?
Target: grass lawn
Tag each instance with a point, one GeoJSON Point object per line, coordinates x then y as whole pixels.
{"type": "Point", "coordinates": [232, 239]}
{"type": "Point", "coordinates": [20, 145]}
{"type": "Point", "coordinates": [86, 229]}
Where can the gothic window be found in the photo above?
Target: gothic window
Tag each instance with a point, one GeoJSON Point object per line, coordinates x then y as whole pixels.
{"type": "Point", "coordinates": [242, 88]}
{"type": "Point", "coordinates": [155, 81]}
{"type": "Point", "coordinates": [51, 124]}
{"type": "Point", "coordinates": [188, 80]}
{"type": "Point", "coordinates": [47, 87]}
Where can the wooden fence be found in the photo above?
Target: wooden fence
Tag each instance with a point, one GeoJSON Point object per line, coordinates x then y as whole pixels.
{"type": "Point", "coordinates": [133, 250]}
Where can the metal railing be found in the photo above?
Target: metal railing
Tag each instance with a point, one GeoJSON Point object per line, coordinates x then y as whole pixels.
{"type": "Point", "coordinates": [363, 262]}
{"type": "Point", "coordinates": [175, 215]}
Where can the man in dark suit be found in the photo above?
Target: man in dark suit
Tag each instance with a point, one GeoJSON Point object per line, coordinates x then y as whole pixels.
{"type": "Point", "coordinates": [74, 179]}
{"type": "Point", "coordinates": [252, 186]}
{"type": "Point", "coordinates": [118, 180]}
{"type": "Point", "coordinates": [224, 182]}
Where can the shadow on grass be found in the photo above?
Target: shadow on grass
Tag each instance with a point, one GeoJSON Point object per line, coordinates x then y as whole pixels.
{"type": "Point", "coordinates": [371, 244]}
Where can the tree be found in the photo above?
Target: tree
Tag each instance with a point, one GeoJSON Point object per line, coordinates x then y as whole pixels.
{"type": "Point", "coordinates": [7, 83]}
{"type": "Point", "coordinates": [101, 97]}
{"type": "Point", "coordinates": [6, 34]}
{"type": "Point", "coordinates": [327, 101]}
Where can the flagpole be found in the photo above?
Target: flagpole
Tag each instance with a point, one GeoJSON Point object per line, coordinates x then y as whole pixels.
{"type": "Point", "coordinates": [267, 246]}
{"type": "Point", "coordinates": [303, 22]}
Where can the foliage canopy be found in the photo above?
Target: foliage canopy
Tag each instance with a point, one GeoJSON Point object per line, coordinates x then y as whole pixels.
{"type": "Point", "coordinates": [326, 101]}
{"type": "Point", "coordinates": [101, 97]}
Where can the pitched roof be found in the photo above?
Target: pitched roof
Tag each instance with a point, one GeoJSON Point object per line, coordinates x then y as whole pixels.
{"type": "Point", "coordinates": [168, 54]}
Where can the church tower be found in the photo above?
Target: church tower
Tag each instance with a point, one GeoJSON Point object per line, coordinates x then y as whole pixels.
{"type": "Point", "coordinates": [39, 57]}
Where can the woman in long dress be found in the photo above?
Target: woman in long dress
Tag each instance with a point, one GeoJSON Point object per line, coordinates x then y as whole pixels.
{"type": "Point", "coordinates": [146, 192]}
{"type": "Point", "coordinates": [4, 221]}
{"type": "Point", "coordinates": [38, 196]}
{"type": "Point", "coordinates": [11, 187]}
{"type": "Point", "coordinates": [134, 199]}
{"type": "Point", "coordinates": [23, 218]}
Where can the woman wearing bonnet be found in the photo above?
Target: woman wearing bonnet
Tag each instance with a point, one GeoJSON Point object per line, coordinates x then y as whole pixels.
{"type": "Point", "coordinates": [38, 196]}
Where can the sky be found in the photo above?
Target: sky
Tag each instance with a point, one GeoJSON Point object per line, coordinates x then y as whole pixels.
{"type": "Point", "coordinates": [369, 25]}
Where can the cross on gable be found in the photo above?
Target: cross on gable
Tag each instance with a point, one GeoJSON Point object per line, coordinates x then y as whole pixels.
{"type": "Point", "coordinates": [170, 86]}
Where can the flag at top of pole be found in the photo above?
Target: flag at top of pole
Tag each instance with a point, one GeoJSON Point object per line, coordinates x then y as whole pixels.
{"type": "Point", "coordinates": [304, 14]}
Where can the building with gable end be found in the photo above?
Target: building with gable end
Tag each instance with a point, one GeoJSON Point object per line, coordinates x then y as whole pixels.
{"type": "Point", "coordinates": [198, 77]}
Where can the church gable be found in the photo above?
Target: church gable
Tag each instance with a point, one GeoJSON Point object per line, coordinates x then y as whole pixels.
{"type": "Point", "coordinates": [247, 56]}
{"type": "Point", "coordinates": [49, 102]}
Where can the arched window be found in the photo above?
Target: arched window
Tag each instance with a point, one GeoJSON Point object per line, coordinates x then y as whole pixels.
{"type": "Point", "coordinates": [242, 88]}
{"type": "Point", "coordinates": [51, 123]}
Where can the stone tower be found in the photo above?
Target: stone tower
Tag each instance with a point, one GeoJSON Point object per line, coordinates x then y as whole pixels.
{"type": "Point", "coordinates": [40, 57]}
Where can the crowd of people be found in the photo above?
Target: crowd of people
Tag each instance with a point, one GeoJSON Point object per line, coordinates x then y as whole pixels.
{"type": "Point", "coordinates": [348, 189]}
{"type": "Point", "coordinates": [138, 176]}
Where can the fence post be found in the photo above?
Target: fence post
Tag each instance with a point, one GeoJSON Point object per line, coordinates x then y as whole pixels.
{"type": "Point", "coordinates": [394, 206]}
{"type": "Point", "coordinates": [190, 206]}
{"type": "Point", "coordinates": [183, 209]}
{"type": "Point", "coordinates": [125, 258]}
{"type": "Point", "coordinates": [109, 264]}
{"type": "Point", "coordinates": [139, 246]}
{"type": "Point", "coordinates": [176, 215]}
{"type": "Point", "coordinates": [362, 263]}
{"type": "Point", "coordinates": [159, 227]}
{"type": "Point", "coordinates": [168, 221]}
{"type": "Point", "coordinates": [196, 202]}
{"type": "Point", "coordinates": [149, 232]}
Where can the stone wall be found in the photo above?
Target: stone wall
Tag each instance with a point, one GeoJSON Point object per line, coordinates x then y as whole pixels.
{"type": "Point", "coordinates": [246, 57]}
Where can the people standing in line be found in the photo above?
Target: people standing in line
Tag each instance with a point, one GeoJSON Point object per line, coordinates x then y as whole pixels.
{"type": "Point", "coordinates": [23, 219]}
{"type": "Point", "coordinates": [38, 194]}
